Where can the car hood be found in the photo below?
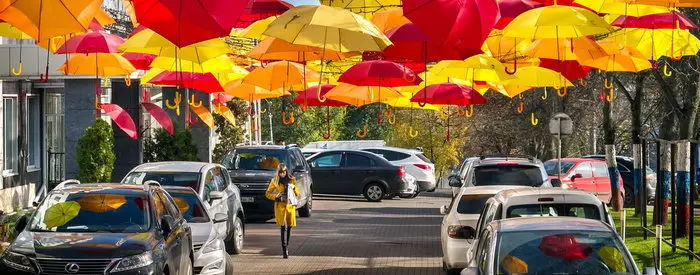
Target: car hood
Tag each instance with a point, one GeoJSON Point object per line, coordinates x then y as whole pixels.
{"type": "Point", "coordinates": [83, 245]}
{"type": "Point", "coordinates": [251, 176]}
{"type": "Point", "coordinates": [201, 232]}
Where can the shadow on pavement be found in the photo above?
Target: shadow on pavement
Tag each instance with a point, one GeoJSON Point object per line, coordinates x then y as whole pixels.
{"type": "Point", "coordinates": [384, 270]}
{"type": "Point", "coordinates": [400, 211]}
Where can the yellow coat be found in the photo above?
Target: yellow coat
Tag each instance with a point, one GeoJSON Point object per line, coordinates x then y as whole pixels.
{"type": "Point", "coordinates": [283, 212]}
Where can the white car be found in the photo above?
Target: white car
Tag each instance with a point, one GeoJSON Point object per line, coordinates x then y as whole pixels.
{"type": "Point", "coordinates": [463, 212]}
{"type": "Point", "coordinates": [416, 164]}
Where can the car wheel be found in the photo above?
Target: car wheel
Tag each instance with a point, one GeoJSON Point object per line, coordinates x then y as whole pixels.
{"type": "Point", "coordinates": [305, 211]}
{"type": "Point", "coordinates": [450, 271]}
{"type": "Point", "coordinates": [234, 245]}
{"type": "Point", "coordinates": [406, 196]}
{"type": "Point", "coordinates": [629, 197]}
{"type": "Point", "coordinates": [415, 194]}
{"type": "Point", "coordinates": [374, 192]}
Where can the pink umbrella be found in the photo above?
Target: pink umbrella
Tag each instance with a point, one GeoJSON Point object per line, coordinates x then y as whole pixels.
{"type": "Point", "coordinates": [308, 97]}
{"type": "Point", "coordinates": [380, 73]}
{"type": "Point", "coordinates": [224, 98]}
{"type": "Point", "coordinates": [92, 42]}
{"type": "Point", "coordinates": [670, 20]}
{"type": "Point", "coordinates": [160, 115]}
{"type": "Point", "coordinates": [141, 61]}
{"type": "Point", "coordinates": [410, 43]}
{"type": "Point", "coordinates": [205, 82]}
{"type": "Point", "coordinates": [512, 8]}
{"type": "Point", "coordinates": [122, 119]}
{"type": "Point", "coordinates": [449, 94]}
{"type": "Point", "coordinates": [261, 9]}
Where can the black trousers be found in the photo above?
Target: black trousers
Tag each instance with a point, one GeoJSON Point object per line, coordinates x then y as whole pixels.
{"type": "Point", "coordinates": [285, 234]}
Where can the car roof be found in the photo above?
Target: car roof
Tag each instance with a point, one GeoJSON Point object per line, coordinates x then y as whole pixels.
{"type": "Point", "coordinates": [549, 224]}
{"type": "Point", "coordinates": [274, 147]}
{"type": "Point", "coordinates": [579, 159]}
{"type": "Point", "coordinates": [486, 189]}
{"type": "Point", "coordinates": [496, 161]}
{"type": "Point", "coordinates": [105, 188]}
{"type": "Point", "coordinates": [397, 149]}
{"type": "Point", "coordinates": [603, 156]}
{"type": "Point", "coordinates": [349, 151]}
{"type": "Point", "coordinates": [517, 193]}
{"type": "Point", "coordinates": [173, 166]}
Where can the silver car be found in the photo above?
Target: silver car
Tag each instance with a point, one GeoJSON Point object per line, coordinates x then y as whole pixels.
{"type": "Point", "coordinates": [213, 185]}
{"type": "Point", "coordinates": [210, 257]}
{"type": "Point", "coordinates": [562, 245]}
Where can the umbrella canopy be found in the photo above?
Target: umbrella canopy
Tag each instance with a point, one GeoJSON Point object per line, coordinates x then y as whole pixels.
{"type": "Point", "coordinates": [582, 48]}
{"type": "Point", "coordinates": [507, 90]}
{"type": "Point", "coordinates": [149, 42]}
{"type": "Point", "coordinates": [203, 114]}
{"type": "Point", "coordinates": [366, 8]}
{"type": "Point", "coordinates": [220, 64]}
{"type": "Point", "coordinates": [9, 31]}
{"type": "Point", "coordinates": [281, 74]}
{"type": "Point", "coordinates": [361, 95]}
{"type": "Point", "coordinates": [505, 48]}
{"type": "Point", "coordinates": [160, 115]}
{"type": "Point", "coordinates": [380, 73]}
{"type": "Point", "coordinates": [61, 213]}
{"type": "Point", "coordinates": [405, 102]}
{"type": "Point", "coordinates": [277, 49]}
{"type": "Point", "coordinates": [449, 94]}
{"type": "Point", "coordinates": [99, 203]}
{"type": "Point", "coordinates": [389, 19]}
{"type": "Point", "coordinates": [255, 30]}
{"type": "Point", "coordinates": [621, 7]}
{"type": "Point", "coordinates": [92, 42]}
{"type": "Point", "coordinates": [186, 22]}
{"type": "Point", "coordinates": [654, 44]}
{"type": "Point", "coordinates": [330, 27]}
{"type": "Point", "coordinates": [669, 3]}
{"type": "Point", "coordinates": [476, 68]}
{"type": "Point", "coordinates": [260, 9]}
{"type": "Point", "coordinates": [538, 77]}
{"type": "Point", "coordinates": [669, 20]}
{"type": "Point", "coordinates": [571, 69]}
{"type": "Point", "coordinates": [141, 61]}
{"type": "Point", "coordinates": [205, 82]}
{"type": "Point", "coordinates": [44, 19]}
{"type": "Point", "coordinates": [410, 43]}
{"type": "Point", "coordinates": [627, 59]}
{"type": "Point", "coordinates": [556, 22]}
{"type": "Point", "coordinates": [308, 97]}
{"type": "Point", "coordinates": [250, 92]}
{"type": "Point", "coordinates": [122, 119]}
{"type": "Point", "coordinates": [97, 64]}
{"type": "Point", "coordinates": [510, 9]}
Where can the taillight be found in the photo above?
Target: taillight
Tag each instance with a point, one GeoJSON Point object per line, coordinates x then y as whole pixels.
{"type": "Point", "coordinates": [455, 231]}
{"type": "Point", "coordinates": [401, 172]}
{"type": "Point", "coordinates": [422, 166]}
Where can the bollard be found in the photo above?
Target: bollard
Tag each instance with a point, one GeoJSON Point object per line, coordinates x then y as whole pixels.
{"type": "Point", "coordinates": [659, 233]}
{"type": "Point", "coordinates": [623, 223]}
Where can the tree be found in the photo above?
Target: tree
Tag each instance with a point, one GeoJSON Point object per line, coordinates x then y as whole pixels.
{"type": "Point", "coordinates": [307, 127]}
{"type": "Point", "coordinates": [228, 134]}
{"type": "Point", "coordinates": [166, 147]}
{"type": "Point", "coordinates": [96, 153]}
{"type": "Point", "coordinates": [357, 118]}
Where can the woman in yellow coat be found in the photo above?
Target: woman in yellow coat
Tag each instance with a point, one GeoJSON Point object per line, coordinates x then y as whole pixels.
{"type": "Point", "coordinates": [285, 210]}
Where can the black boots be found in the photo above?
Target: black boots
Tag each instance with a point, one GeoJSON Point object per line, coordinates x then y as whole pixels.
{"type": "Point", "coordinates": [285, 231]}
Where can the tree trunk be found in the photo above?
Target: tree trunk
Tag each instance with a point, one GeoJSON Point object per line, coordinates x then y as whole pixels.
{"type": "Point", "coordinates": [609, 138]}
{"type": "Point", "coordinates": [636, 108]}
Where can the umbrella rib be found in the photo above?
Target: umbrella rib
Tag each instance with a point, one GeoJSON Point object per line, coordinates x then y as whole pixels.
{"type": "Point", "coordinates": [64, 5]}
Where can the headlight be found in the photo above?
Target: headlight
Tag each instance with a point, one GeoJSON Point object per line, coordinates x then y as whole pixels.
{"type": "Point", "coordinates": [213, 246]}
{"type": "Point", "coordinates": [18, 261]}
{"type": "Point", "coordinates": [134, 262]}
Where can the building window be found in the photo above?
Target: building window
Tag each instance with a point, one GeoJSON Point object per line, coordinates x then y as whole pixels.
{"type": "Point", "coordinates": [33, 132]}
{"type": "Point", "coordinates": [11, 155]}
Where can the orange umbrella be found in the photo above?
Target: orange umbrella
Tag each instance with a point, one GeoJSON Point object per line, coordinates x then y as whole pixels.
{"type": "Point", "coordinates": [361, 95]}
{"type": "Point", "coordinates": [582, 48]}
{"type": "Point", "coordinates": [281, 74]}
{"type": "Point", "coordinates": [277, 49]}
{"type": "Point", "coordinates": [389, 19]}
{"type": "Point", "coordinates": [250, 92]}
{"type": "Point", "coordinates": [101, 202]}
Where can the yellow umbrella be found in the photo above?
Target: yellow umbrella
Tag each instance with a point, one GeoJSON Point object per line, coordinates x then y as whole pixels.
{"type": "Point", "coordinates": [669, 3]}
{"type": "Point", "coordinates": [538, 77]}
{"type": "Point", "coordinates": [581, 48]}
{"type": "Point", "coordinates": [507, 90]}
{"type": "Point", "coordinates": [281, 74]}
{"type": "Point", "coordinates": [227, 76]}
{"type": "Point", "coordinates": [476, 68]}
{"type": "Point", "coordinates": [220, 64]}
{"type": "Point", "coordinates": [101, 202]}
{"type": "Point", "coordinates": [254, 30]}
{"type": "Point", "coordinates": [150, 74]}
{"type": "Point", "coordinates": [620, 59]}
{"type": "Point", "coordinates": [364, 7]}
{"type": "Point", "coordinates": [250, 92]}
{"type": "Point", "coordinates": [429, 78]}
{"type": "Point", "coordinates": [43, 19]}
{"type": "Point", "coordinates": [10, 31]}
{"type": "Point", "coordinates": [181, 204]}
{"type": "Point", "coordinates": [389, 19]}
{"type": "Point", "coordinates": [97, 64]}
{"type": "Point", "coordinates": [277, 49]}
{"type": "Point", "coordinates": [556, 22]}
{"type": "Point", "coordinates": [149, 42]}
{"type": "Point", "coordinates": [503, 48]}
{"type": "Point", "coordinates": [655, 43]}
{"type": "Point", "coordinates": [61, 213]}
{"type": "Point", "coordinates": [361, 95]}
{"type": "Point", "coordinates": [621, 8]}
{"type": "Point", "coordinates": [405, 102]}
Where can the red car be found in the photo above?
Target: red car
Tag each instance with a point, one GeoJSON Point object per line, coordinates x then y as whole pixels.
{"type": "Point", "coordinates": [586, 174]}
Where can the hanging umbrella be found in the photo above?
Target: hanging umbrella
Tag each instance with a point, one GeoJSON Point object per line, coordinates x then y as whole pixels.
{"type": "Point", "coordinates": [260, 9]}
{"type": "Point", "coordinates": [99, 203]}
{"type": "Point", "coordinates": [220, 108]}
{"type": "Point", "coordinates": [141, 61]}
{"type": "Point", "coordinates": [160, 115]}
{"type": "Point", "coordinates": [621, 7]}
{"type": "Point", "coordinates": [254, 30]}
{"type": "Point", "coordinates": [122, 119]}
{"type": "Point", "coordinates": [219, 64]}
{"type": "Point", "coordinates": [538, 77]}
{"type": "Point", "coordinates": [410, 43]}
{"type": "Point", "coordinates": [449, 94]}
{"type": "Point", "coordinates": [389, 19]}
{"type": "Point", "coordinates": [203, 114]}
{"type": "Point", "coordinates": [44, 19]}
{"type": "Point", "coordinates": [556, 22]}
{"type": "Point", "coordinates": [476, 68]}
{"type": "Point", "coordinates": [277, 49]}
{"type": "Point", "coordinates": [361, 95]}
{"type": "Point", "coordinates": [669, 20]}
{"type": "Point", "coordinates": [510, 9]}
{"type": "Point", "coordinates": [654, 44]}
{"type": "Point", "coordinates": [250, 92]}
{"type": "Point", "coordinates": [507, 90]}
{"type": "Point", "coordinates": [9, 31]}
{"type": "Point", "coordinates": [308, 97]}
{"type": "Point", "coordinates": [186, 22]}
{"type": "Point", "coordinates": [405, 102]}
{"type": "Point", "coordinates": [669, 3]}
{"type": "Point", "coordinates": [620, 59]}
{"type": "Point", "coordinates": [281, 74]}
{"type": "Point", "coordinates": [506, 49]}
{"type": "Point", "coordinates": [380, 73]}
{"type": "Point", "coordinates": [205, 82]}
{"type": "Point", "coordinates": [366, 8]}
{"type": "Point", "coordinates": [581, 48]}
{"type": "Point", "coordinates": [571, 69]}
{"type": "Point", "coordinates": [92, 42]}
{"type": "Point", "coordinates": [149, 42]}
{"type": "Point", "coordinates": [97, 64]}
{"type": "Point", "coordinates": [61, 213]}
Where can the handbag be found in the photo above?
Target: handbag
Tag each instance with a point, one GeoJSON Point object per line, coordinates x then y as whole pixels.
{"type": "Point", "coordinates": [291, 198]}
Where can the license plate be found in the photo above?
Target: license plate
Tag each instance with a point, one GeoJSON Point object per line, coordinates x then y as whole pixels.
{"type": "Point", "coordinates": [247, 199]}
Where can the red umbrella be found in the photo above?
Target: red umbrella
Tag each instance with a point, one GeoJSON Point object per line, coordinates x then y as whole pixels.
{"type": "Point", "coordinates": [565, 246]}
{"type": "Point", "coordinates": [224, 98]}
{"type": "Point", "coordinates": [558, 2]}
{"type": "Point", "coordinates": [512, 8]}
{"type": "Point", "coordinates": [185, 22]}
{"type": "Point", "coordinates": [571, 69]}
{"type": "Point", "coordinates": [449, 94]}
{"type": "Point", "coordinates": [380, 73]}
{"type": "Point", "coordinates": [141, 61]}
{"type": "Point", "coordinates": [122, 119]}
{"type": "Point", "coordinates": [463, 25]}
{"type": "Point", "coordinates": [92, 42]}
{"type": "Point", "coordinates": [261, 9]}
{"type": "Point", "coordinates": [96, 26]}
{"type": "Point", "coordinates": [160, 115]}
{"type": "Point", "coordinates": [205, 82]}
{"type": "Point", "coordinates": [308, 97]}
{"type": "Point", "coordinates": [417, 67]}
{"type": "Point", "coordinates": [412, 44]}
{"type": "Point", "coordinates": [670, 20]}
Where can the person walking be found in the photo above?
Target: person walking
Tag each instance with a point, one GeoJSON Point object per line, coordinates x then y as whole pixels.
{"type": "Point", "coordinates": [284, 191]}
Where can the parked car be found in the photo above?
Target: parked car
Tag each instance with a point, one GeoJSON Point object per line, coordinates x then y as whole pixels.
{"type": "Point", "coordinates": [212, 184]}
{"type": "Point", "coordinates": [563, 245]}
{"type": "Point", "coordinates": [102, 229]}
{"type": "Point", "coordinates": [590, 175]}
{"type": "Point", "coordinates": [458, 176]}
{"type": "Point", "coordinates": [504, 170]}
{"type": "Point", "coordinates": [415, 163]}
{"type": "Point", "coordinates": [463, 211]}
{"type": "Point", "coordinates": [626, 167]}
{"type": "Point", "coordinates": [307, 152]}
{"type": "Point", "coordinates": [252, 168]}
{"type": "Point", "coordinates": [413, 189]}
{"type": "Point", "coordinates": [210, 255]}
{"type": "Point", "coordinates": [353, 172]}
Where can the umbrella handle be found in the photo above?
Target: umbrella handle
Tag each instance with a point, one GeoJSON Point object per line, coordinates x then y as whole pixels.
{"type": "Point", "coordinates": [107, 83]}
{"type": "Point", "coordinates": [521, 96]}
{"type": "Point", "coordinates": [412, 133]}
{"type": "Point", "coordinates": [469, 112]}
{"type": "Point", "coordinates": [392, 120]}
{"type": "Point", "coordinates": [611, 96]}
{"type": "Point", "coordinates": [533, 120]}
{"type": "Point", "coordinates": [175, 105]}
{"type": "Point", "coordinates": [215, 108]}
{"type": "Point", "coordinates": [193, 102]}
{"type": "Point", "coordinates": [254, 126]}
{"type": "Point", "coordinates": [303, 108]}
{"type": "Point", "coordinates": [521, 107]}
{"type": "Point", "coordinates": [362, 133]}
{"type": "Point", "coordinates": [127, 81]}
{"type": "Point", "coordinates": [45, 76]}
{"type": "Point", "coordinates": [251, 113]}
{"type": "Point", "coordinates": [190, 120]}
{"type": "Point", "coordinates": [146, 95]}
{"type": "Point", "coordinates": [544, 96]}
{"type": "Point", "coordinates": [666, 71]}
{"type": "Point", "coordinates": [318, 92]}
{"type": "Point", "coordinates": [409, 77]}
{"type": "Point", "coordinates": [18, 71]}
{"type": "Point", "coordinates": [515, 67]}
{"type": "Point", "coordinates": [327, 135]}
{"type": "Point", "coordinates": [607, 85]}
{"type": "Point", "coordinates": [460, 112]}
{"type": "Point", "coordinates": [389, 112]}
{"type": "Point", "coordinates": [286, 121]}
{"type": "Point", "coordinates": [379, 116]}
{"type": "Point", "coordinates": [583, 82]}
{"type": "Point", "coordinates": [562, 92]}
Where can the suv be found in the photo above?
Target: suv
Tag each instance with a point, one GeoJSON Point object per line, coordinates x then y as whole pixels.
{"type": "Point", "coordinates": [102, 229]}
{"type": "Point", "coordinates": [213, 186]}
{"type": "Point", "coordinates": [252, 167]}
{"type": "Point", "coordinates": [416, 164]}
{"type": "Point", "coordinates": [504, 170]}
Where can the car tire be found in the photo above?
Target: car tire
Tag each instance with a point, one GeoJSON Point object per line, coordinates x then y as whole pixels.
{"type": "Point", "coordinates": [415, 194]}
{"type": "Point", "coordinates": [433, 190]}
{"type": "Point", "coordinates": [406, 196]}
{"type": "Point", "coordinates": [234, 244]}
{"type": "Point", "coordinates": [305, 211]}
{"type": "Point", "coordinates": [628, 201]}
{"type": "Point", "coordinates": [374, 192]}
{"type": "Point", "coordinates": [450, 271]}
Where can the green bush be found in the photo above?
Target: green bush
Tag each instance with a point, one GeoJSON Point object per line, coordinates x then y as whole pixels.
{"type": "Point", "coordinates": [166, 147]}
{"type": "Point", "coordinates": [96, 153]}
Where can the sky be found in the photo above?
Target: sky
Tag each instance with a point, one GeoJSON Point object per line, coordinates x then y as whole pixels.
{"type": "Point", "coordinates": [302, 2]}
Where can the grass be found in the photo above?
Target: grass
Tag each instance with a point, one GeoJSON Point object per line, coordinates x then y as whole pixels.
{"type": "Point", "coordinates": [672, 263]}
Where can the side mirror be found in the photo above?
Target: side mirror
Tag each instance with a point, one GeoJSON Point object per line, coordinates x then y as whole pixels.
{"type": "Point", "coordinates": [21, 224]}
{"type": "Point", "coordinates": [470, 271]}
{"type": "Point", "coordinates": [216, 195]}
{"type": "Point", "coordinates": [220, 217]}
{"type": "Point", "coordinates": [166, 225]}
{"type": "Point", "coordinates": [576, 176]}
{"type": "Point", "coordinates": [455, 182]}
{"type": "Point", "coordinates": [469, 232]}
{"type": "Point", "coordinates": [443, 210]}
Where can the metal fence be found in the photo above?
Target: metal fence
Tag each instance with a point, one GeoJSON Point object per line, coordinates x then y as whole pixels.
{"type": "Point", "coordinates": [56, 169]}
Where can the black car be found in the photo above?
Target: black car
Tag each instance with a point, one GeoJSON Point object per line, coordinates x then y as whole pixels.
{"type": "Point", "coordinates": [102, 229]}
{"type": "Point", "coordinates": [502, 170]}
{"type": "Point", "coordinates": [351, 172]}
{"type": "Point", "coordinates": [252, 167]}
{"type": "Point", "coordinates": [626, 167]}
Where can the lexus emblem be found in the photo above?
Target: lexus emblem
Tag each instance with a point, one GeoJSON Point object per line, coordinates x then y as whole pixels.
{"type": "Point", "coordinates": [72, 268]}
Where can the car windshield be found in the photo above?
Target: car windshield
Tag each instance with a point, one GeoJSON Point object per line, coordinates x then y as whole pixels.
{"type": "Point", "coordinates": [551, 167]}
{"type": "Point", "coordinates": [472, 204]}
{"type": "Point", "coordinates": [93, 211]}
{"type": "Point", "coordinates": [561, 252]}
{"type": "Point", "coordinates": [587, 211]}
{"type": "Point", "coordinates": [190, 206]}
{"type": "Point", "coordinates": [246, 159]}
{"type": "Point", "coordinates": [524, 175]}
{"type": "Point", "coordinates": [182, 179]}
